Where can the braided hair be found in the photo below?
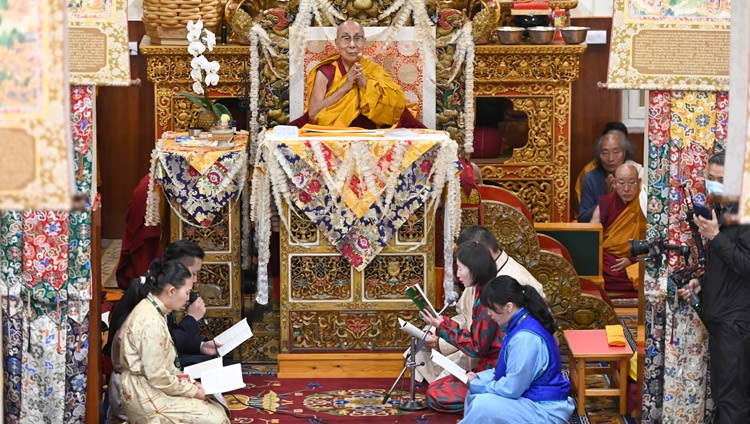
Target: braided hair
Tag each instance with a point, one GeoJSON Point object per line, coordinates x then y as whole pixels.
{"type": "Point", "coordinates": [505, 288]}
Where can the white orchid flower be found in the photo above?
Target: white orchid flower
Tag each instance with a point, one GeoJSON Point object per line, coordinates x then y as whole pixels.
{"type": "Point", "coordinates": [212, 78]}
{"type": "Point", "coordinates": [198, 88]}
{"type": "Point", "coordinates": [194, 36]}
{"type": "Point", "coordinates": [210, 40]}
{"type": "Point", "coordinates": [212, 66]}
{"type": "Point", "coordinates": [196, 48]}
{"type": "Point", "coordinates": [196, 74]}
{"type": "Point", "coordinates": [199, 62]}
{"type": "Point", "coordinates": [197, 26]}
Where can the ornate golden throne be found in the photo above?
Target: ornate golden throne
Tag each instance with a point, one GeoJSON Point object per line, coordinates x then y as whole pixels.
{"type": "Point", "coordinates": [515, 233]}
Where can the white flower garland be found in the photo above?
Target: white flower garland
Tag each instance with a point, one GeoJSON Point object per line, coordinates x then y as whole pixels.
{"type": "Point", "coordinates": [308, 9]}
{"type": "Point", "coordinates": [465, 54]}
{"type": "Point", "coordinates": [245, 214]}
{"type": "Point", "coordinates": [254, 89]}
{"type": "Point", "coordinates": [152, 199]}
{"type": "Point", "coordinates": [399, 150]}
{"type": "Point", "coordinates": [260, 213]}
{"type": "Point", "coordinates": [469, 99]}
{"type": "Point", "coordinates": [423, 26]}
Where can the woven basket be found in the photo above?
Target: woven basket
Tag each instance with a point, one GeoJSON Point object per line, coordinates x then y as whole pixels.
{"type": "Point", "coordinates": [167, 19]}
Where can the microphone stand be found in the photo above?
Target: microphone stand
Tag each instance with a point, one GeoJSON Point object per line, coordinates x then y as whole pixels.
{"type": "Point", "coordinates": [411, 363]}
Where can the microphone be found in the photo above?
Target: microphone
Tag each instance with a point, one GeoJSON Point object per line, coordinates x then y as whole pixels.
{"type": "Point", "coordinates": [450, 300]}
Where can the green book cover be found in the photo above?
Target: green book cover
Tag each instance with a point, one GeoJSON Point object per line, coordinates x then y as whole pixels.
{"type": "Point", "coordinates": [420, 299]}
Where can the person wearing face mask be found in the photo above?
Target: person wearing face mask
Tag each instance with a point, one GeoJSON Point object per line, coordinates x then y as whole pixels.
{"type": "Point", "coordinates": [349, 90]}
{"type": "Point", "coordinates": [151, 388]}
{"type": "Point", "coordinates": [724, 292]}
{"type": "Point", "coordinates": [527, 384]}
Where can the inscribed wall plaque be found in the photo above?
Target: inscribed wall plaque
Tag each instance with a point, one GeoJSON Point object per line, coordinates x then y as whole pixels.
{"type": "Point", "coordinates": [98, 42]}
{"type": "Point", "coordinates": [658, 45]}
{"type": "Point", "coordinates": [35, 163]}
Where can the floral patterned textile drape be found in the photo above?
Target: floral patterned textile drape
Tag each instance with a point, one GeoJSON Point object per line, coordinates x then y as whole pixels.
{"type": "Point", "coordinates": [45, 282]}
{"type": "Point", "coordinates": [684, 129]}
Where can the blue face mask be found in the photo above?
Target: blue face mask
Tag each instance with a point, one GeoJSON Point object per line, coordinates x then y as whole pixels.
{"type": "Point", "coordinates": [715, 187]}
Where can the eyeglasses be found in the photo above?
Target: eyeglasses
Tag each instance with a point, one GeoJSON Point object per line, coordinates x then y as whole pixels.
{"type": "Point", "coordinates": [627, 183]}
{"type": "Point", "coordinates": [358, 39]}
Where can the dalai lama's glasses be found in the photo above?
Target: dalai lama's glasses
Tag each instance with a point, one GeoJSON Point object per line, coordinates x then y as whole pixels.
{"type": "Point", "coordinates": [358, 39]}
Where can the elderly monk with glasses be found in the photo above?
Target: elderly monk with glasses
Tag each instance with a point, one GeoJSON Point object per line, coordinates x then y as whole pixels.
{"type": "Point", "coordinates": [622, 219]}
{"type": "Point", "coordinates": [349, 90]}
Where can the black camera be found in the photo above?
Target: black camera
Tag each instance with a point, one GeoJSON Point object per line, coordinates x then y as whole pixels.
{"type": "Point", "coordinates": [655, 248]}
{"type": "Point", "coordinates": [193, 297]}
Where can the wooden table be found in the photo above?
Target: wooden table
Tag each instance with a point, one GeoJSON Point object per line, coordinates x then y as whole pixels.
{"type": "Point", "coordinates": [591, 345]}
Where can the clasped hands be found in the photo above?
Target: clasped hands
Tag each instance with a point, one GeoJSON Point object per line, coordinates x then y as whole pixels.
{"type": "Point", "coordinates": [356, 75]}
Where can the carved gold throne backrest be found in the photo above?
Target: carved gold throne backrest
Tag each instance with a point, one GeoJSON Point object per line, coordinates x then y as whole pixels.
{"type": "Point", "coordinates": [571, 308]}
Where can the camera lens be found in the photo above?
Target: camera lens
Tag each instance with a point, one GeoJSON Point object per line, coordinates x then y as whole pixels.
{"type": "Point", "coordinates": [639, 247]}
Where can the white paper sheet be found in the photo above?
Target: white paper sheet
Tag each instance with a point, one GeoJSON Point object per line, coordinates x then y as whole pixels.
{"type": "Point", "coordinates": [410, 328]}
{"type": "Point", "coordinates": [195, 371]}
{"type": "Point", "coordinates": [222, 380]}
{"type": "Point", "coordinates": [449, 365]}
{"type": "Point", "coordinates": [233, 337]}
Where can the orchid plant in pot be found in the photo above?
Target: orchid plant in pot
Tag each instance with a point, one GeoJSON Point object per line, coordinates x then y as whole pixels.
{"type": "Point", "coordinates": [204, 73]}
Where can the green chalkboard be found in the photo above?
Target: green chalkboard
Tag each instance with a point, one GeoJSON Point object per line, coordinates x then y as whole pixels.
{"type": "Point", "coordinates": [583, 247]}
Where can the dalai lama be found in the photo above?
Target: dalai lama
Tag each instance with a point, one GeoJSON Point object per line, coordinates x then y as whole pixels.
{"type": "Point", "coordinates": [349, 90]}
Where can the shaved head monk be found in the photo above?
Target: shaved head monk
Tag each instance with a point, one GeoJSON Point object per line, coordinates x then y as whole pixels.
{"type": "Point", "coordinates": [621, 218]}
{"type": "Point", "coordinates": [349, 90]}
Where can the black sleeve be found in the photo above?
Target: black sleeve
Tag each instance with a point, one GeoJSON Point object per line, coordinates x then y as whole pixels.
{"type": "Point", "coordinates": [735, 254]}
{"type": "Point", "coordinates": [185, 335]}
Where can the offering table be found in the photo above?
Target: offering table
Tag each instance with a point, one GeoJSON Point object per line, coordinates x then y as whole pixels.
{"type": "Point", "coordinates": [358, 214]}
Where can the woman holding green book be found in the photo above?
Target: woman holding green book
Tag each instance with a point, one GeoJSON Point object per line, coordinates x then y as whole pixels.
{"type": "Point", "coordinates": [473, 332]}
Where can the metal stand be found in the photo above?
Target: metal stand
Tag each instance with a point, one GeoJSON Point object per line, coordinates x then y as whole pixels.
{"type": "Point", "coordinates": [411, 363]}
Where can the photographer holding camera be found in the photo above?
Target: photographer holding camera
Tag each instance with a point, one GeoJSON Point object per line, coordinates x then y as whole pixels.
{"type": "Point", "coordinates": [725, 304]}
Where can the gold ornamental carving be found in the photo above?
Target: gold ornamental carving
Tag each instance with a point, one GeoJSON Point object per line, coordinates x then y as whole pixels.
{"type": "Point", "coordinates": [513, 63]}
{"type": "Point", "coordinates": [347, 330]}
{"type": "Point", "coordinates": [316, 279]}
{"type": "Point", "coordinates": [412, 231]}
{"type": "Point", "coordinates": [302, 230]}
{"type": "Point", "coordinates": [387, 276]}
{"type": "Point", "coordinates": [319, 278]}
{"type": "Point", "coordinates": [517, 237]}
{"type": "Point", "coordinates": [536, 194]}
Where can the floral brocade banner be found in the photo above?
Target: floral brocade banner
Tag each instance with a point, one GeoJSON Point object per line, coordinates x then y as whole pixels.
{"type": "Point", "coordinates": [35, 166]}
{"type": "Point", "coordinates": [684, 130]}
{"type": "Point", "coordinates": [672, 45]}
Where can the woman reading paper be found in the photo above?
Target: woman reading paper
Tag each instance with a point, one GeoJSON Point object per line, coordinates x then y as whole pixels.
{"type": "Point", "coordinates": [527, 385]}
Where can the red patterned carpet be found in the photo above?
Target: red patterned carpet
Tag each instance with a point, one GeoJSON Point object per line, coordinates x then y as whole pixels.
{"type": "Point", "coordinates": [267, 399]}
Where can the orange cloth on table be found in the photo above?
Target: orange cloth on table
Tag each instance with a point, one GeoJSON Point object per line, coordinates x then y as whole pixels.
{"type": "Point", "coordinates": [381, 101]}
{"type": "Point", "coordinates": [201, 158]}
{"type": "Point", "coordinates": [615, 335]}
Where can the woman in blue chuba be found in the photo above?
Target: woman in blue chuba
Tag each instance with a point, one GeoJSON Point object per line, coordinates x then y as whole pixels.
{"type": "Point", "coordinates": [527, 385]}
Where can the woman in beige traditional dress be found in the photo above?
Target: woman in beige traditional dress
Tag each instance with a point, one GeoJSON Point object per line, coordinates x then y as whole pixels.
{"type": "Point", "coordinates": [151, 390]}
